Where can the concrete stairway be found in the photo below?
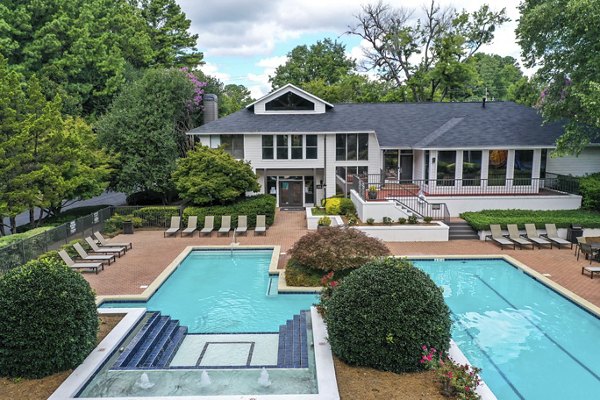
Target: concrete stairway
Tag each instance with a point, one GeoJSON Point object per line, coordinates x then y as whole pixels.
{"type": "Point", "coordinates": [461, 230]}
{"type": "Point", "coordinates": [293, 352]}
{"type": "Point", "coordinates": [154, 346]}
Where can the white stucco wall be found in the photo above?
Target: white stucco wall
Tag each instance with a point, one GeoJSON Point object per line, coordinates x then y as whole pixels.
{"type": "Point", "coordinates": [376, 209]}
{"type": "Point", "coordinates": [434, 232]}
{"type": "Point", "coordinates": [457, 205]}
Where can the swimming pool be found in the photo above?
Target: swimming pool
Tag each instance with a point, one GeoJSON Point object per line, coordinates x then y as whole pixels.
{"type": "Point", "coordinates": [530, 341]}
{"type": "Point", "coordinates": [220, 291]}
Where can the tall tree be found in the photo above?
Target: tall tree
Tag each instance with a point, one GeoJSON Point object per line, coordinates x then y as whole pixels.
{"type": "Point", "coordinates": [325, 60]}
{"type": "Point", "coordinates": [560, 37]}
{"type": "Point", "coordinates": [145, 129]}
{"type": "Point", "coordinates": [427, 55]}
{"type": "Point", "coordinates": [170, 39]}
{"type": "Point", "coordinates": [84, 49]}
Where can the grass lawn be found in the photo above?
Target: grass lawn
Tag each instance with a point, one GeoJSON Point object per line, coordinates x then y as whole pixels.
{"type": "Point", "coordinates": [10, 239]}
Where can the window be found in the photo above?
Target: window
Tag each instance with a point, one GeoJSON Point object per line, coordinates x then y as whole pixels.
{"type": "Point", "coordinates": [282, 147]}
{"type": "Point", "coordinates": [232, 144]}
{"type": "Point", "coordinates": [471, 168]}
{"type": "Point", "coordinates": [427, 165]}
{"type": "Point", "coordinates": [543, 161]}
{"type": "Point", "coordinates": [497, 167]}
{"type": "Point", "coordinates": [346, 173]}
{"type": "Point", "coordinates": [446, 168]}
{"type": "Point", "coordinates": [290, 102]}
{"type": "Point", "coordinates": [352, 146]}
{"type": "Point", "coordinates": [297, 147]}
{"type": "Point", "coordinates": [311, 147]}
{"type": "Point", "coordinates": [267, 147]}
{"type": "Point", "coordinates": [523, 167]}
{"type": "Point", "coordinates": [390, 164]}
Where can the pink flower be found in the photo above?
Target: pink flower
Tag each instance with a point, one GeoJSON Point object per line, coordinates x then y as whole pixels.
{"type": "Point", "coordinates": [449, 374]}
{"type": "Point", "coordinates": [334, 284]}
{"type": "Point", "coordinates": [424, 348]}
{"type": "Point", "coordinates": [467, 388]}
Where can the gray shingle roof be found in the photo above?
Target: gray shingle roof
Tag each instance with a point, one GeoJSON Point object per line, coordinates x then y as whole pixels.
{"type": "Point", "coordinates": [411, 125]}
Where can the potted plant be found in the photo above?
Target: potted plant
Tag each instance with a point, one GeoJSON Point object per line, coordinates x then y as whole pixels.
{"type": "Point", "coordinates": [372, 192]}
{"type": "Point", "coordinates": [324, 222]}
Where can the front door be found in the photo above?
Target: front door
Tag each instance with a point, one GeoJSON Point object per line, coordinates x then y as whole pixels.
{"type": "Point", "coordinates": [406, 165]}
{"type": "Point", "coordinates": [290, 193]}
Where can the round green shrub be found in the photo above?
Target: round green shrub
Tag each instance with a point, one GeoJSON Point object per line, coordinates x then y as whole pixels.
{"type": "Point", "coordinates": [48, 319]}
{"type": "Point", "coordinates": [383, 313]}
{"type": "Point", "coordinates": [336, 249]}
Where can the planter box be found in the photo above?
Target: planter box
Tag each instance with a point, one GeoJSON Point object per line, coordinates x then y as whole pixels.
{"type": "Point", "coordinates": [312, 221]}
{"type": "Point", "coordinates": [434, 232]}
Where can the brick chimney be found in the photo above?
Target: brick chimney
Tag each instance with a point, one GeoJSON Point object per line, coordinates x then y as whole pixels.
{"type": "Point", "coordinates": [211, 108]}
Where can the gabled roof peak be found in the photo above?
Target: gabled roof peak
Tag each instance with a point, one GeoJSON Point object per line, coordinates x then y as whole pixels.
{"type": "Point", "coordinates": [292, 89]}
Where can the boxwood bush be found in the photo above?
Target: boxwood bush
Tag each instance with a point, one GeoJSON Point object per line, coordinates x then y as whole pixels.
{"type": "Point", "coordinates": [263, 204]}
{"type": "Point", "coordinates": [481, 220]}
{"type": "Point", "coordinates": [383, 313]}
{"type": "Point", "coordinates": [589, 187]}
{"type": "Point", "coordinates": [336, 249]}
{"type": "Point", "coordinates": [48, 319]}
{"type": "Point", "coordinates": [156, 216]}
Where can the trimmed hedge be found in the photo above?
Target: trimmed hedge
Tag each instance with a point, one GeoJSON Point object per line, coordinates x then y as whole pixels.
{"type": "Point", "coordinates": [66, 216]}
{"type": "Point", "coordinates": [48, 319]}
{"type": "Point", "coordinates": [17, 237]}
{"type": "Point", "coordinates": [382, 314]}
{"type": "Point", "coordinates": [339, 206]}
{"type": "Point", "coordinates": [263, 204]}
{"type": "Point", "coordinates": [156, 216]}
{"type": "Point", "coordinates": [589, 188]}
{"type": "Point", "coordinates": [481, 220]}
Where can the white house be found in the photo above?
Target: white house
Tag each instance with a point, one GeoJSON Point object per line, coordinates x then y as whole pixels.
{"type": "Point", "coordinates": [431, 158]}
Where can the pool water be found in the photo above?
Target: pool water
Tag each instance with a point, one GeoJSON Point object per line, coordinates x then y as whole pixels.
{"type": "Point", "coordinates": [530, 342]}
{"type": "Point", "coordinates": [225, 292]}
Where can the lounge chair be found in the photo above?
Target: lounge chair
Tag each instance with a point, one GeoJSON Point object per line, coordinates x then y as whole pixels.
{"type": "Point", "coordinates": [192, 226]}
{"type": "Point", "coordinates": [72, 264]}
{"type": "Point", "coordinates": [580, 240]}
{"type": "Point", "coordinates": [534, 236]}
{"type": "Point", "coordinates": [497, 237]}
{"type": "Point", "coordinates": [225, 225]}
{"type": "Point", "coordinates": [515, 236]}
{"type": "Point", "coordinates": [174, 228]}
{"type": "Point", "coordinates": [552, 235]}
{"type": "Point", "coordinates": [209, 225]}
{"type": "Point", "coordinates": [261, 225]}
{"type": "Point", "coordinates": [106, 250]}
{"type": "Point", "coordinates": [105, 243]}
{"type": "Point", "coordinates": [242, 224]}
{"type": "Point", "coordinates": [591, 270]}
{"type": "Point", "coordinates": [93, 257]}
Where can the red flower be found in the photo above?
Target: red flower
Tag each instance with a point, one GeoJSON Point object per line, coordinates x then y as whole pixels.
{"type": "Point", "coordinates": [334, 284]}
{"type": "Point", "coordinates": [467, 388]}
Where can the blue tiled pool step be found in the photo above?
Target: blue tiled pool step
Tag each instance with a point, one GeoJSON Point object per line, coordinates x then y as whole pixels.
{"type": "Point", "coordinates": [154, 345]}
{"type": "Point", "coordinates": [293, 351]}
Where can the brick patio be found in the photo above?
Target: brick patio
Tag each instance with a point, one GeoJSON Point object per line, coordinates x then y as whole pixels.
{"type": "Point", "coordinates": [152, 253]}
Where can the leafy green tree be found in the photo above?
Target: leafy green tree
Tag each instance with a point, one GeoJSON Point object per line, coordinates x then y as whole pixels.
{"type": "Point", "coordinates": [524, 91]}
{"type": "Point", "coordinates": [145, 129]}
{"type": "Point", "coordinates": [498, 74]}
{"type": "Point", "coordinates": [429, 55]}
{"type": "Point", "coordinates": [171, 42]}
{"type": "Point", "coordinates": [325, 60]}
{"type": "Point", "coordinates": [212, 176]}
{"type": "Point", "coordinates": [560, 37]}
{"type": "Point", "coordinates": [85, 49]}
{"type": "Point", "coordinates": [234, 98]}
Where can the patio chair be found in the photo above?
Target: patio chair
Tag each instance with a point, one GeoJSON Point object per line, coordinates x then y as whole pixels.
{"type": "Point", "coordinates": [192, 226]}
{"type": "Point", "coordinates": [72, 264]}
{"type": "Point", "coordinates": [580, 240]}
{"type": "Point", "coordinates": [515, 236]}
{"type": "Point", "coordinates": [106, 243]}
{"type": "Point", "coordinates": [497, 237]}
{"type": "Point", "coordinates": [552, 235]}
{"type": "Point", "coordinates": [225, 225]}
{"type": "Point", "coordinates": [534, 236]}
{"type": "Point", "coordinates": [261, 225]}
{"type": "Point", "coordinates": [589, 252]}
{"type": "Point", "coordinates": [106, 250]}
{"type": "Point", "coordinates": [174, 228]}
{"type": "Point", "coordinates": [242, 225]}
{"type": "Point", "coordinates": [209, 225]}
{"type": "Point", "coordinates": [93, 257]}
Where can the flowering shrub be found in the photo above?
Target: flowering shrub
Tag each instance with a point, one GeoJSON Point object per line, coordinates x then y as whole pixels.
{"type": "Point", "coordinates": [329, 284]}
{"type": "Point", "coordinates": [196, 102]}
{"type": "Point", "coordinates": [459, 381]}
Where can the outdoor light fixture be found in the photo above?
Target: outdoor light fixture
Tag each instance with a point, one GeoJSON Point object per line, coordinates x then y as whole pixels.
{"type": "Point", "coordinates": [433, 160]}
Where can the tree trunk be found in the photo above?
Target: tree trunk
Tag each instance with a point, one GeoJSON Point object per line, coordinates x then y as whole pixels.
{"type": "Point", "coordinates": [13, 224]}
{"type": "Point", "coordinates": [32, 217]}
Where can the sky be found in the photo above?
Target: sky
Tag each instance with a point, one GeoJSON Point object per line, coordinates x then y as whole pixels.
{"type": "Point", "coordinates": [244, 41]}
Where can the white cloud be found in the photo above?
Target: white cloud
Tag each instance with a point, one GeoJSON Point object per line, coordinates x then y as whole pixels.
{"type": "Point", "coordinates": [213, 70]}
{"type": "Point", "coordinates": [260, 84]}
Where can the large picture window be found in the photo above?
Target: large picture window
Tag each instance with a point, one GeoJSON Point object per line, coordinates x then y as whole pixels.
{"type": "Point", "coordinates": [446, 168]}
{"type": "Point", "coordinates": [282, 147]}
{"type": "Point", "coordinates": [351, 146]}
{"type": "Point", "coordinates": [232, 144]}
{"type": "Point", "coordinates": [267, 147]}
{"type": "Point", "coordinates": [285, 147]}
{"type": "Point", "coordinates": [523, 167]}
{"type": "Point", "coordinates": [289, 102]}
{"type": "Point", "coordinates": [497, 168]}
{"type": "Point", "coordinates": [471, 168]}
{"type": "Point", "coordinates": [297, 147]}
{"type": "Point", "coordinates": [311, 147]}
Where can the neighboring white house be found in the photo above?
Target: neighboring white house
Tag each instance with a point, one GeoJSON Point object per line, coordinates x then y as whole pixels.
{"type": "Point", "coordinates": [467, 156]}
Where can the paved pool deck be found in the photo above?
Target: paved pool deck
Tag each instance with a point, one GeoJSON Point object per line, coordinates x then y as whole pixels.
{"type": "Point", "coordinates": [152, 253]}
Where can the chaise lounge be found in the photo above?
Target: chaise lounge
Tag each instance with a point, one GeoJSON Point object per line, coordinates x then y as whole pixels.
{"type": "Point", "coordinates": [498, 237]}
{"type": "Point", "coordinates": [261, 225]}
{"type": "Point", "coordinates": [225, 225]}
{"type": "Point", "coordinates": [242, 224]}
{"type": "Point", "coordinates": [534, 236]}
{"type": "Point", "coordinates": [515, 236]}
{"type": "Point", "coordinates": [209, 225]}
{"type": "Point", "coordinates": [174, 228]}
{"type": "Point", "coordinates": [106, 250]}
{"type": "Point", "coordinates": [552, 235]}
{"type": "Point", "coordinates": [192, 226]}
{"type": "Point", "coordinates": [106, 243]}
{"type": "Point", "coordinates": [83, 255]}
{"type": "Point", "coordinates": [72, 264]}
